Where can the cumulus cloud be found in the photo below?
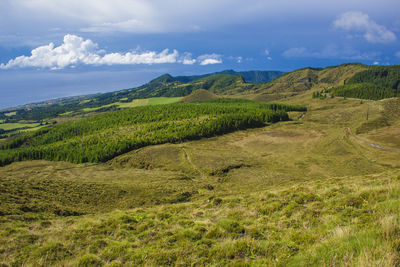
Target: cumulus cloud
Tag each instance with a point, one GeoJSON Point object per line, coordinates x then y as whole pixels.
{"type": "Point", "coordinates": [187, 59]}
{"type": "Point", "coordinates": [330, 52]}
{"type": "Point", "coordinates": [77, 51]}
{"type": "Point", "coordinates": [362, 23]}
{"type": "Point", "coordinates": [209, 59]}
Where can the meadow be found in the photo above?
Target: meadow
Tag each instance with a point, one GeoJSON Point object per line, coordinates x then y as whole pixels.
{"type": "Point", "coordinates": [302, 192]}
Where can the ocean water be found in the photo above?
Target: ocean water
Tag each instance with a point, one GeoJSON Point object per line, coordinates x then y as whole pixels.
{"type": "Point", "coordinates": [23, 87]}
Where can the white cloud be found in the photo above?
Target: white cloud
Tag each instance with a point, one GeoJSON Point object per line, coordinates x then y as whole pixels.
{"type": "Point", "coordinates": [360, 22]}
{"type": "Point", "coordinates": [239, 59]}
{"type": "Point", "coordinates": [209, 59]}
{"type": "Point", "coordinates": [187, 59]}
{"type": "Point", "coordinates": [330, 52]}
{"type": "Point", "coordinates": [77, 51]}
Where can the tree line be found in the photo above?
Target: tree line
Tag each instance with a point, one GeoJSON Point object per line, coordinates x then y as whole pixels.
{"type": "Point", "coordinates": [377, 82]}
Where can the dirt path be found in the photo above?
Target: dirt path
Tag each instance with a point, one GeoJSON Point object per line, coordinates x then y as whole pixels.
{"type": "Point", "coordinates": [189, 160]}
{"type": "Point", "coordinates": [350, 98]}
{"type": "Point", "coordinates": [371, 144]}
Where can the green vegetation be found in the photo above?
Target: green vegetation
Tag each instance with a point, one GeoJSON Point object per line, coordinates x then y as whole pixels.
{"type": "Point", "coordinates": [248, 76]}
{"type": "Point", "coordinates": [321, 189]}
{"type": "Point", "coordinates": [199, 95]}
{"type": "Point", "coordinates": [349, 221]}
{"type": "Point", "coordinates": [9, 114]}
{"type": "Point", "coordinates": [225, 83]}
{"type": "Point", "coordinates": [377, 82]}
{"type": "Point", "coordinates": [13, 126]}
{"type": "Point", "coordinates": [163, 100]}
{"type": "Point", "coordinates": [103, 137]}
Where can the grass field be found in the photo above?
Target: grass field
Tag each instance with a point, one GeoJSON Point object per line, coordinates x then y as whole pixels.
{"type": "Point", "coordinates": [163, 100]}
{"type": "Point", "coordinates": [297, 193]}
{"type": "Point", "coordinates": [9, 114]}
{"type": "Point", "coordinates": [139, 102]}
{"type": "Point", "coordinates": [12, 126]}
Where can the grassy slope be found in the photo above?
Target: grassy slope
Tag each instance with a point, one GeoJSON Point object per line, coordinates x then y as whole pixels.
{"type": "Point", "coordinates": [166, 86]}
{"type": "Point", "coordinates": [294, 193]}
{"type": "Point", "coordinates": [199, 95]}
{"type": "Point", "coordinates": [138, 103]}
{"type": "Point", "coordinates": [299, 81]}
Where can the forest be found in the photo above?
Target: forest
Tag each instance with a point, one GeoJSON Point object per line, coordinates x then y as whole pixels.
{"type": "Point", "coordinates": [100, 138]}
{"type": "Point", "coordinates": [377, 82]}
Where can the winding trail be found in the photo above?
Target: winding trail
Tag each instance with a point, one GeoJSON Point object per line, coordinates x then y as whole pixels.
{"type": "Point", "coordinates": [371, 144]}
{"type": "Point", "coordinates": [189, 160]}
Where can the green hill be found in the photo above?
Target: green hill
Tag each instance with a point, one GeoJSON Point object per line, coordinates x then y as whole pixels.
{"type": "Point", "coordinates": [287, 85]}
{"type": "Point", "coordinates": [298, 81]}
{"type": "Point", "coordinates": [199, 95]}
{"type": "Point", "coordinates": [254, 76]}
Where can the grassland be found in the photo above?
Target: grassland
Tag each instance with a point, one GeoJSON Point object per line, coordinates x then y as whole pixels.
{"type": "Point", "coordinates": [296, 193]}
{"type": "Point", "coordinates": [9, 114]}
{"type": "Point", "coordinates": [12, 126]}
{"type": "Point", "coordinates": [320, 190]}
{"type": "Point", "coordinates": [138, 103]}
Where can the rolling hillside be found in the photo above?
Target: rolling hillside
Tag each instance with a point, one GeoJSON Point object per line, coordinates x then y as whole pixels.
{"type": "Point", "coordinates": [199, 95]}
{"type": "Point", "coordinates": [296, 82]}
{"type": "Point", "coordinates": [305, 192]}
{"type": "Point", "coordinates": [376, 82]}
{"type": "Point", "coordinates": [225, 84]}
{"type": "Point", "coordinates": [254, 76]}
{"type": "Point", "coordinates": [103, 137]}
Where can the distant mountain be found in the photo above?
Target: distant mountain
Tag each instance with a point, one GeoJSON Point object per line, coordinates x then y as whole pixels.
{"type": "Point", "coordinates": [254, 76]}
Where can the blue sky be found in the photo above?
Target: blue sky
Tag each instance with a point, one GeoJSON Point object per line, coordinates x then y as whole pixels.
{"type": "Point", "coordinates": [56, 48]}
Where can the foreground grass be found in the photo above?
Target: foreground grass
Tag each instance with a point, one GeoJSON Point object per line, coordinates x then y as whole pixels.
{"type": "Point", "coordinates": [299, 193]}
{"type": "Point", "coordinates": [337, 222]}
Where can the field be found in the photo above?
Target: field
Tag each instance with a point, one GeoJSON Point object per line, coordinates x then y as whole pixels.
{"type": "Point", "coordinates": [138, 103]}
{"type": "Point", "coordinates": [295, 193]}
{"type": "Point", "coordinates": [13, 126]}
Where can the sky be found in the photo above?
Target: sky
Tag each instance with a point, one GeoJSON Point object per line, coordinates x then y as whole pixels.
{"type": "Point", "coordinates": [58, 48]}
